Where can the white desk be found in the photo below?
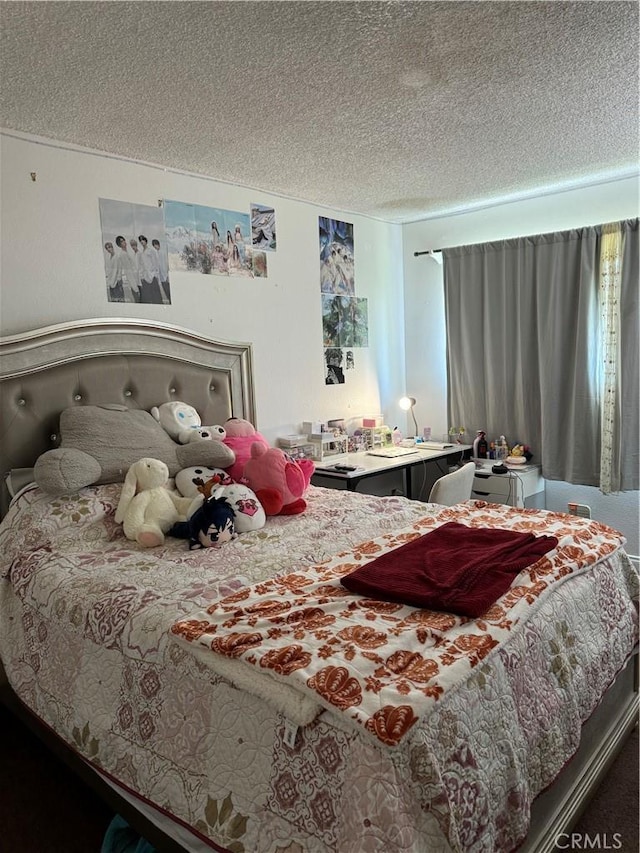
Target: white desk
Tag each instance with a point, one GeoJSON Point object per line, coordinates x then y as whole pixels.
{"type": "Point", "coordinates": [369, 466]}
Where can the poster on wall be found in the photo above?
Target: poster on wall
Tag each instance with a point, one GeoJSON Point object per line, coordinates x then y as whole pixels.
{"type": "Point", "coordinates": [345, 321]}
{"type": "Point", "coordinates": [135, 252]}
{"type": "Point", "coordinates": [211, 241]}
{"type": "Point", "coordinates": [337, 273]}
{"type": "Point", "coordinates": [263, 228]}
{"type": "Point", "coordinates": [333, 359]}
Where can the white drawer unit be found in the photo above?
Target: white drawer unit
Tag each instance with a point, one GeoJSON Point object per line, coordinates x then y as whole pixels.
{"type": "Point", "coordinates": [519, 487]}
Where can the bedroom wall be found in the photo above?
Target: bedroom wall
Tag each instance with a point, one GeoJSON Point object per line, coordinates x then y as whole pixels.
{"type": "Point", "coordinates": [424, 307]}
{"type": "Point", "coordinates": [52, 270]}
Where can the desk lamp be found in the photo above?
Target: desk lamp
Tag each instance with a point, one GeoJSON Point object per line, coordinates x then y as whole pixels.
{"type": "Point", "coordinates": [407, 404]}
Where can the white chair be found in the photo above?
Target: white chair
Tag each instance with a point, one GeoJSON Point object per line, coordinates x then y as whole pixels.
{"type": "Point", "coordinates": [455, 487]}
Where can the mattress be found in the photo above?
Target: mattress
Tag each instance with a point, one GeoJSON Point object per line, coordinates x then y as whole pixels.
{"type": "Point", "coordinates": [88, 641]}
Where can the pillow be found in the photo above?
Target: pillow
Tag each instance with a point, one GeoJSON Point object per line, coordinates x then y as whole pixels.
{"type": "Point", "coordinates": [454, 568]}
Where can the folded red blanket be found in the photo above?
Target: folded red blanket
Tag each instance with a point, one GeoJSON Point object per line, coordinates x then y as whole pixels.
{"type": "Point", "coordinates": [455, 568]}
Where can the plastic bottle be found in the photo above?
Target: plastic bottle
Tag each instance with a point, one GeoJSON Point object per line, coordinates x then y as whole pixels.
{"type": "Point", "coordinates": [503, 449]}
{"type": "Point", "coordinates": [396, 436]}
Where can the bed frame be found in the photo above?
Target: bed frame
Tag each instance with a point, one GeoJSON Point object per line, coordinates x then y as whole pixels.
{"type": "Point", "coordinates": [141, 364]}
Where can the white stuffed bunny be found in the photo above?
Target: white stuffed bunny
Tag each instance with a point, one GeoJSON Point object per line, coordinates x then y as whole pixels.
{"type": "Point", "coordinates": [148, 515]}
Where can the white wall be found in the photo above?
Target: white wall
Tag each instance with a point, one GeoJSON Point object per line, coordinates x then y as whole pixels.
{"type": "Point", "coordinates": [52, 270]}
{"type": "Point", "coordinates": [424, 307]}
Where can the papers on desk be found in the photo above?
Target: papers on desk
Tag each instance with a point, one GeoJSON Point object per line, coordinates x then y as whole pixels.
{"type": "Point", "coordinates": [392, 452]}
{"type": "Point", "coordinates": [433, 445]}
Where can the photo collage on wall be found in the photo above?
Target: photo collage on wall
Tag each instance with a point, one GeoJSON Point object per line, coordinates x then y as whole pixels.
{"type": "Point", "coordinates": [142, 244]}
{"type": "Point", "coordinates": [345, 324]}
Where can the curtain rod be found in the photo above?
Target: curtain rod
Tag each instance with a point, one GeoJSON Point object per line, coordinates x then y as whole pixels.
{"type": "Point", "coordinates": [426, 252]}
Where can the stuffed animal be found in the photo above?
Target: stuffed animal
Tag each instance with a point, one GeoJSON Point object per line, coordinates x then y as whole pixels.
{"type": "Point", "coordinates": [241, 435]}
{"type": "Point", "coordinates": [208, 432]}
{"type": "Point", "coordinates": [248, 510]}
{"type": "Point", "coordinates": [200, 480]}
{"type": "Point", "coordinates": [201, 483]}
{"type": "Point", "coordinates": [147, 509]}
{"type": "Point", "coordinates": [307, 466]}
{"type": "Point", "coordinates": [182, 422]}
{"type": "Point", "coordinates": [277, 480]}
{"type": "Point", "coordinates": [100, 443]}
{"type": "Point", "coordinates": [211, 525]}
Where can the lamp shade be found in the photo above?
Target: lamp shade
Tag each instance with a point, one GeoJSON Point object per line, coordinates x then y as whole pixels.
{"type": "Point", "coordinates": [407, 404]}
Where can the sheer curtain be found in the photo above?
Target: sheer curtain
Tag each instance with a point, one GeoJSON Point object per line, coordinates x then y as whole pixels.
{"type": "Point", "coordinates": [523, 350]}
{"type": "Point", "coordinates": [629, 361]}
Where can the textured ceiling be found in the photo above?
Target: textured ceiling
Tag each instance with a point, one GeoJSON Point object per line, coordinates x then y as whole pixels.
{"type": "Point", "coordinates": [398, 110]}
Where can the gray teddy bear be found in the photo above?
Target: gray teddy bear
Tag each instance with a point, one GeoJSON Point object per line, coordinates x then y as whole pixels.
{"type": "Point", "coordinates": [100, 443]}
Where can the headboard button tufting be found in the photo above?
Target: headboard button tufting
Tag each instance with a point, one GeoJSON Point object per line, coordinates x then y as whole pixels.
{"type": "Point", "coordinates": [77, 397]}
{"type": "Point", "coordinates": [22, 402]}
{"type": "Point", "coordinates": [172, 390]}
{"type": "Point", "coordinates": [127, 393]}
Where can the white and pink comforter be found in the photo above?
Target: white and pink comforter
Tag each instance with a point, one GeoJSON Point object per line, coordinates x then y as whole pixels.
{"type": "Point", "coordinates": [86, 638]}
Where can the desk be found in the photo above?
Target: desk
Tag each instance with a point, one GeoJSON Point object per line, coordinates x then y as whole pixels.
{"type": "Point", "coordinates": [369, 466]}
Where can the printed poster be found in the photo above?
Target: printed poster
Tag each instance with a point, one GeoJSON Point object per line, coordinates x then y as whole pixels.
{"type": "Point", "coordinates": [134, 251]}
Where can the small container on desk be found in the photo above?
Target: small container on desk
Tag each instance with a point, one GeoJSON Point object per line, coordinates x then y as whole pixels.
{"type": "Point", "coordinates": [297, 446]}
{"type": "Point", "coordinates": [379, 436]}
{"type": "Point", "coordinates": [327, 444]}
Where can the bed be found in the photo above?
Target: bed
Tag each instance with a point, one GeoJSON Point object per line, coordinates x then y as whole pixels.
{"type": "Point", "coordinates": [240, 698]}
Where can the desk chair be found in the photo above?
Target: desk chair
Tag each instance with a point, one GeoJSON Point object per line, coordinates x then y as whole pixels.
{"type": "Point", "coordinates": [455, 487]}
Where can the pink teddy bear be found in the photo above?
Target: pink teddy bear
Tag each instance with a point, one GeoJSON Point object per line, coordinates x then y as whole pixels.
{"type": "Point", "coordinates": [278, 481]}
{"type": "Point", "coordinates": [241, 434]}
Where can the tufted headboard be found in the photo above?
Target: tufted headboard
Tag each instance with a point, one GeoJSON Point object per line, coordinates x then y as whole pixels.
{"type": "Point", "coordinates": [133, 362]}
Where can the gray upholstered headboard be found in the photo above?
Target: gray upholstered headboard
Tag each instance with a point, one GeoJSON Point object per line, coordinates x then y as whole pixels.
{"type": "Point", "coordinates": [133, 362]}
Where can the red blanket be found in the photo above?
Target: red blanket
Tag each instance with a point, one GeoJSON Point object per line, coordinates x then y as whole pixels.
{"type": "Point", "coordinates": [455, 568]}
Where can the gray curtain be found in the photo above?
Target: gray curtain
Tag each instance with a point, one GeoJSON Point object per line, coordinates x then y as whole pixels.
{"type": "Point", "coordinates": [522, 353]}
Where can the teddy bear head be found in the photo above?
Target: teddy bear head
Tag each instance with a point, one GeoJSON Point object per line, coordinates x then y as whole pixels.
{"type": "Point", "coordinates": [176, 417]}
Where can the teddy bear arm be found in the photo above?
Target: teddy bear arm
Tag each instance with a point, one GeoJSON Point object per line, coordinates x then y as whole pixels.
{"type": "Point", "coordinates": [294, 479]}
{"type": "Point", "coordinates": [65, 470]}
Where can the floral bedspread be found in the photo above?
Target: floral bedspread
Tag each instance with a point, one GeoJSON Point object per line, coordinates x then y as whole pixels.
{"type": "Point", "coordinates": [381, 663]}
{"type": "Point", "coordinates": [85, 638]}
